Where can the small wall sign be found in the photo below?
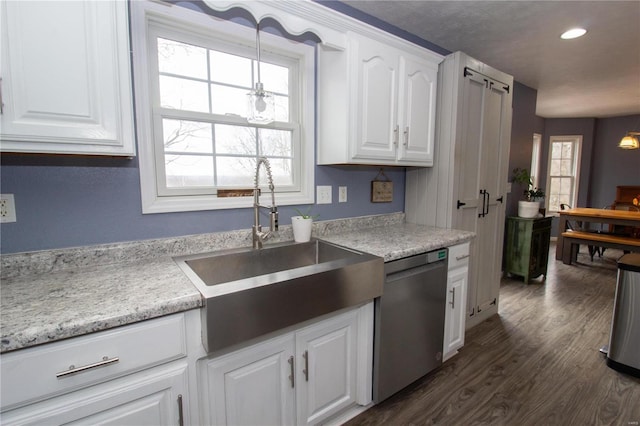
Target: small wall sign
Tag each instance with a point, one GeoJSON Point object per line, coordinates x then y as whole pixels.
{"type": "Point", "coordinates": [381, 189]}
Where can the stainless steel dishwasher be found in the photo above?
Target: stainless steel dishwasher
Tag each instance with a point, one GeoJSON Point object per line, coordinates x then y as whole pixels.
{"type": "Point", "coordinates": [409, 322]}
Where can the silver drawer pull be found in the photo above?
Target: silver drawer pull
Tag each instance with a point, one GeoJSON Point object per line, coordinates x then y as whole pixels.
{"type": "Point", "coordinates": [462, 257]}
{"type": "Point", "coordinates": [73, 369]}
{"type": "Point", "coordinates": [293, 383]}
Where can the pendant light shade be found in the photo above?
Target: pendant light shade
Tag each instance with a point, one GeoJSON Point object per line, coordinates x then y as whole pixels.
{"type": "Point", "coordinates": [260, 103]}
{"type": "Point", "coordinates": [630, 141]}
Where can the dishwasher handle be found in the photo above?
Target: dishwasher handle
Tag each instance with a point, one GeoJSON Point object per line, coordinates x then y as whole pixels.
{"type": "Point", "coordinates": [425, 268]}
{"type": "Point", "coordinates": [415, 261]}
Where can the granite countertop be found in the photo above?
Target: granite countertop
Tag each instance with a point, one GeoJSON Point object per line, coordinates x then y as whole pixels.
{"type": "Point", "coordinates": [398, 241]}
{"type": "Point", "coordinates": [53, 295]}
{"type": "Point", "coordinates": [48, 307]}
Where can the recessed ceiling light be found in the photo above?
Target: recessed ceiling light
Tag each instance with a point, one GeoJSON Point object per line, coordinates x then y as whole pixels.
{"type": "Point", "coordinates": [573, 33]}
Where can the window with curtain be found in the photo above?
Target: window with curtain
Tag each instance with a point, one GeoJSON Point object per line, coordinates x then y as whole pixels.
{"type": "Point", "coordinates": [563, 171]}
{"type": "Point", "coordinates": [196, 72]}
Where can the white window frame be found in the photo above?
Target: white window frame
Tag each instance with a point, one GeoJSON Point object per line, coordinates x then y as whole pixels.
{"type": "Point", "coordinates": [536, 154]}
{"type": "Point", "coordinates": [146, 15]}
{"type": "Point", "coordinates": [576, 140]}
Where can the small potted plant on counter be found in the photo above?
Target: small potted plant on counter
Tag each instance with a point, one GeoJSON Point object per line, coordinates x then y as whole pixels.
{"type": "Point", "coordinates": [530, 206]}
{"type": "Point", "coordinates": [301, 225]}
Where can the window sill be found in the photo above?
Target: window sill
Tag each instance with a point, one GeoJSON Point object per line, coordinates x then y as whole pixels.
{"type": "Point", "coordinates": [153, 204]}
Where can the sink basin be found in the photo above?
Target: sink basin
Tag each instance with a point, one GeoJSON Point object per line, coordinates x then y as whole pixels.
{"type": "Point", "coordinates": [249, 293]}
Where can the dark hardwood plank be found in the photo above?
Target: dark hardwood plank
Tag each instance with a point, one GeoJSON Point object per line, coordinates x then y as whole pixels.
{"type": "Point", "coordinates": [535, 363]}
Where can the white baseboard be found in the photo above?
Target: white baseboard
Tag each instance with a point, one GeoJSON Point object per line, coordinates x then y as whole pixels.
{"type": "Point", "coordinates": [347, 415]}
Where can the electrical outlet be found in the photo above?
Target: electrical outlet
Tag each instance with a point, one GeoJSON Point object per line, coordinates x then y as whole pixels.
{"type": "Point", "coordinates": [7, 208]}
{"type": "Point", "coordinates": [323, 194]}
{"type": "Point", "coordinates": [342, 194]}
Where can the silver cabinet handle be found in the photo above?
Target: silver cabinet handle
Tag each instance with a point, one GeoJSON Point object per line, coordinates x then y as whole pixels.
{"type": "Point", "coordinates": [74, 370]}
{"type": "Point", "coordinates": [453, 298]}
{"type": "Point", "coordinates": [396, 130]}
{"type": "Point", "coordinates": [180, 412]}
{"type": "Point", "coordinates": [406, 136]}
{"type": "Point", "coordinates": [462, 257]}
{"type": "Point", "coordinates": [292, 371]}
{"type": "Point", "coordinates": [1, 98]}
{"type": "Point", "coordinates": [305, 355]}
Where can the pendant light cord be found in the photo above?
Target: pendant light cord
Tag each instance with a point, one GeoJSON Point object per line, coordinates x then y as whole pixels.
{"type": "Point", "coordinates": [258, 47]}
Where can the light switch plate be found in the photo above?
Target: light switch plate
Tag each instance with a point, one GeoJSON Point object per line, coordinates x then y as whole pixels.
{"type": "Point", "coordinates": [7, 208]}
{"type": "Point", "coordinates": [342, 194]}
{"type": "Point", "coordinates": [323, 194]}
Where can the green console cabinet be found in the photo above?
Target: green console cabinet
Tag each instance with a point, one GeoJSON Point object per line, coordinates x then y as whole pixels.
{"type": "Point", "coordinates": [527, 249]}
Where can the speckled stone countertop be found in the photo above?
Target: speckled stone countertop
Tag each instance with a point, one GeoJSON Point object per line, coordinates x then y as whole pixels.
{"type": "Point", "coordinates": [51, 295]}
{"type": "Point", "coordinates": [402, 240]}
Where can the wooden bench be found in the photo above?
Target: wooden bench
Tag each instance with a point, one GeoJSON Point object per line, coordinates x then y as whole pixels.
{"type": "Point", "coordinates": [572, 239]}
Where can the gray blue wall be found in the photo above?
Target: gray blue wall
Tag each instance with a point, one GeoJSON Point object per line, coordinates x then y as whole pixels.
{"type": "Point", "coordinates": [612, 166]}
{"type": "Point", "coordinates": [604, 165]}
{"type": "Point", "coordinates": [73, 201]}
{"type": "Point", "coordinates": [523, 126]}
{"type": "Point", "coordinates": [68, 201]}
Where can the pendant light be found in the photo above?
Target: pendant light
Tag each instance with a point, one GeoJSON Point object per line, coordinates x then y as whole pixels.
{"type": "Point", "coordinates": [630, 141]}
{"type": "Point", "coordinates": [261, 104]}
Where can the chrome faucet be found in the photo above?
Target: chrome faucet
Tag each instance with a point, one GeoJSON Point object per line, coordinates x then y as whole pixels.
{"type": "Point", "coordinates": [258, 235]}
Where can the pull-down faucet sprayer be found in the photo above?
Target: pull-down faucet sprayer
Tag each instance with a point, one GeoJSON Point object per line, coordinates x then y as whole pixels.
{"type": "Point", "coordinates": [258, 235]}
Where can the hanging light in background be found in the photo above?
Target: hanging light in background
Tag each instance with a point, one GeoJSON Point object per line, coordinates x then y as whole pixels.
{"type": "Point", "coordinates": [630, 141]}
{"type": "Point", "coordinates": [261, 104]}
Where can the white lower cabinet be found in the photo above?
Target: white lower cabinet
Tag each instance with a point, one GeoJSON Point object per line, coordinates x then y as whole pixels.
{"type": "Point", "coordinates": [455, 314]}
{"type": "Point", "coordinates": [154, 397]}
{"type": "Point", "coordinates": [132, 375]}
{"type": "Point", "coordinates": [302, 377]}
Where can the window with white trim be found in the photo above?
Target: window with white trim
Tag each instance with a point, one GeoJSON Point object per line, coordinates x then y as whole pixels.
{"type": "Point", "coordinates": [192, 74]}
{"type": "Point", "coordinates": [563, 171]}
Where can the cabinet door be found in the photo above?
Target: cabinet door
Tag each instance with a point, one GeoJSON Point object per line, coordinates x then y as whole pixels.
{"type": "Point", "coordinates": [456, 311]}
{"type": "Point", "coordinates": [377, 130]}
{"type": "Point", "coordinates": [496, 134]}
{"type": "Point", "coordinates": [326, 371]}
{"type": "Point", "coordinates": [152, 397]}
{"type": "Point", "coordinates": [468, 154]}
{"type": "Point", "coordinates": [65, 72]}
{"type": "Point", "coordinates": [418, 111]}
{"type": "Point", "coordinates": [483, 153]}
{"type": "Point", "coordinates": [252, 386]}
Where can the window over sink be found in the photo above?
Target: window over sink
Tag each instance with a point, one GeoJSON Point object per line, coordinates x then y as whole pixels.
{"type": "Point", "coordinates": [192, 73]}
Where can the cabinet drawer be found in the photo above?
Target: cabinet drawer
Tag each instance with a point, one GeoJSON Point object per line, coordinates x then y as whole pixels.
{"type": "Point", "coordinates": [44, 371]}
{"type": "Point", "coordinates": [458, 255]}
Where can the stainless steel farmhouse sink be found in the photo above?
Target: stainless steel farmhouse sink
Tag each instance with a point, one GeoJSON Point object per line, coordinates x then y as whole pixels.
{"type": "Point", "coordinates": [251, 292]}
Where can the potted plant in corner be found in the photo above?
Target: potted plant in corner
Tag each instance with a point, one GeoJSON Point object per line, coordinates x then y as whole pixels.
{"type": "Point", "coordinates": [530, 206]}
{"type": "Point", "coordinates": [301, 225]}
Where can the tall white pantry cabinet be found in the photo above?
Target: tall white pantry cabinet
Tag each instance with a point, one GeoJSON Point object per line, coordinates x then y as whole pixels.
{"type": "Point", "coordinates": [466, 188]}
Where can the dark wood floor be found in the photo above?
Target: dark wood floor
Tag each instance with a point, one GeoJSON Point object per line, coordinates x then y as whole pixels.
{"type": "Point", "coordinates": [536, 363]}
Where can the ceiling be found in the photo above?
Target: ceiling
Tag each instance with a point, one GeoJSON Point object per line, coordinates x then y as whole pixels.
{"type": "Point", "coordinates": [597, 75]}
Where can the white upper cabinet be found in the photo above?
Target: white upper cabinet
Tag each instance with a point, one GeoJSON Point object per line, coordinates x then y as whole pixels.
{"type": "Point", "coordinates": [418, 113]}
{"type": "Point", "coordinates": [66, 84]}
{"type": "Point", "coordinates": [376, 104]}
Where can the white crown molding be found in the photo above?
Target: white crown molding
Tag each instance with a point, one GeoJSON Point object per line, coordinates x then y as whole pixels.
{"type": "Point", "coordinates": [300, 16]}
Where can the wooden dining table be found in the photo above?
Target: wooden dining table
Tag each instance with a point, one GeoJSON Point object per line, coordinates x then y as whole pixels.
{"type": "Point", "coordinates": [589, 215]}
